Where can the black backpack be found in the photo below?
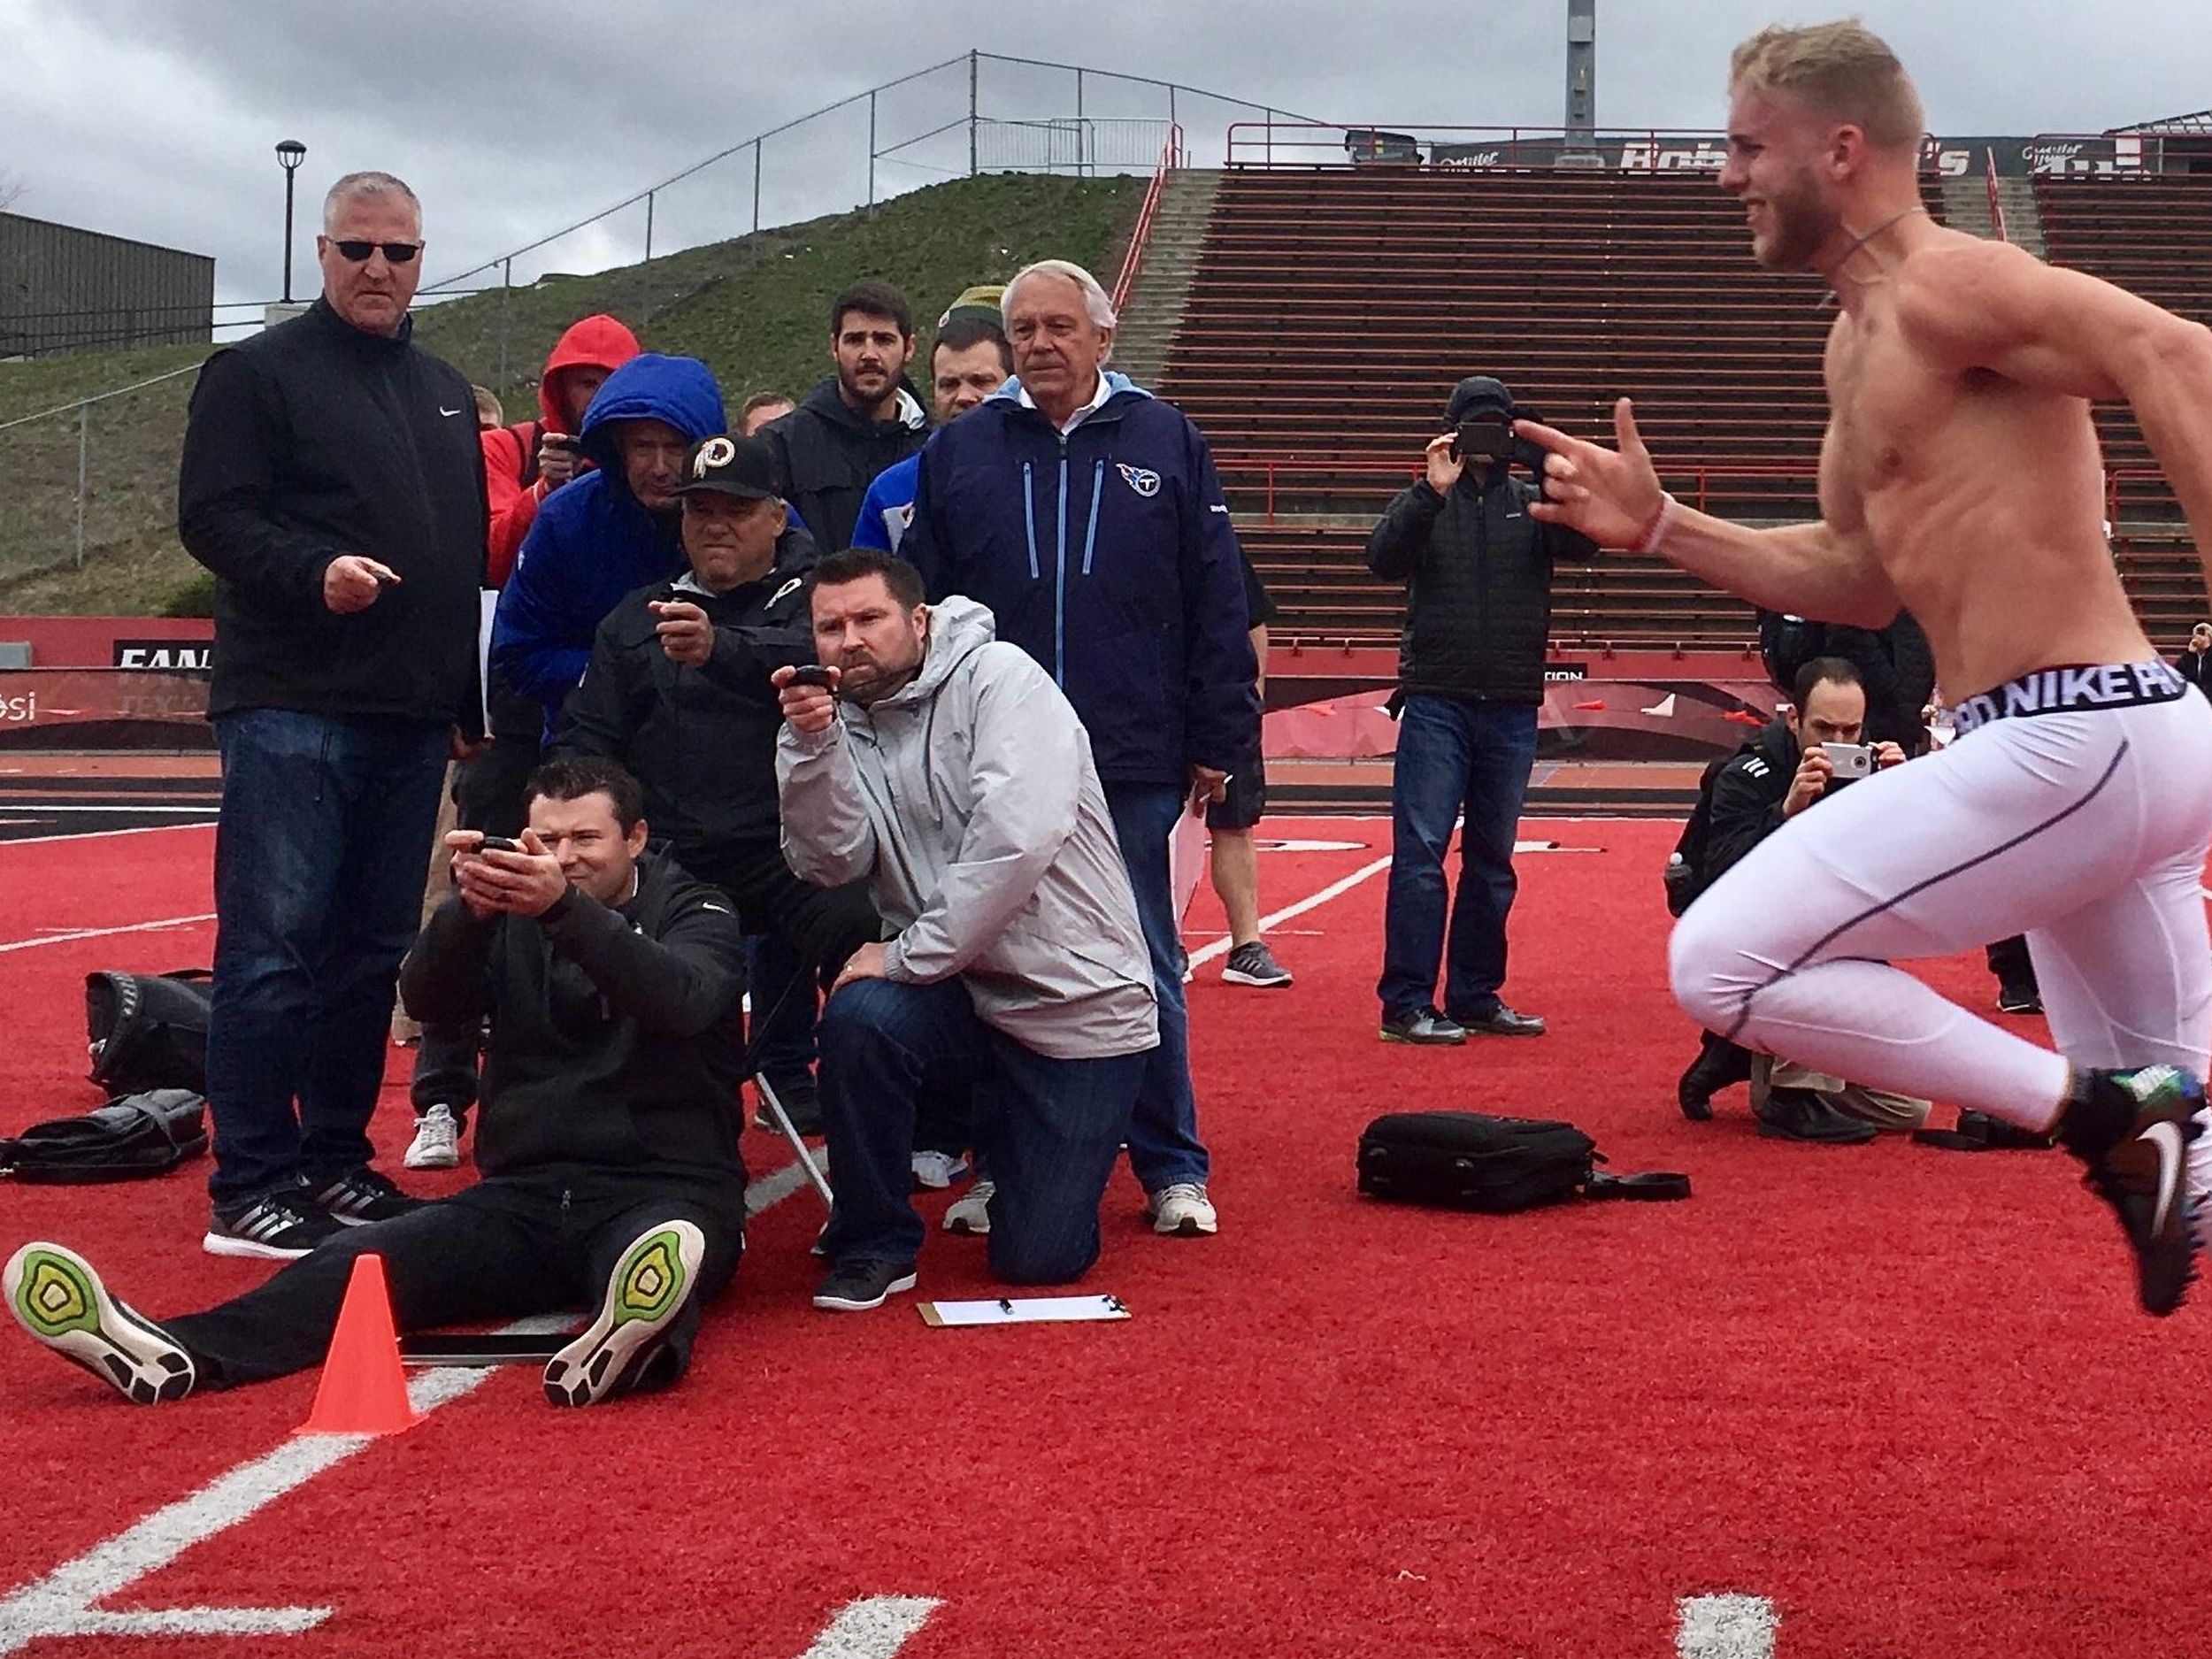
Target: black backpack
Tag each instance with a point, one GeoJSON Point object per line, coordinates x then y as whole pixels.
{"type": "Point", "coordinates": [1686, 875]}
{"type": "Point", "coordinates": [147, 1031]}
{"type": "Point", "coordinates": [126, 1139]}
{"type": "Point", "coordinates": [1474, 1161]}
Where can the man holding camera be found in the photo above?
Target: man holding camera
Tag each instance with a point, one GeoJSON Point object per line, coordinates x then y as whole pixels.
{"type": "Point", "coordinates": [1814, 747]}
{"type": "Point", "coordinates": [1471, 678]}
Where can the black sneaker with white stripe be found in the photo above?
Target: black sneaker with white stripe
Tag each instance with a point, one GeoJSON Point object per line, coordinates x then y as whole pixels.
{"type": "Point", "coordinates": [278, 1227]}
{"type": "Point", "coordinates": [2132, 1129]}
{"type": "Point", "coordinates": [360, 1196]}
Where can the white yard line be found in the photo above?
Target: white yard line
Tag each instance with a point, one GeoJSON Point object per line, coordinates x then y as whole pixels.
{"type": "Point", "coordinates": [75, 933]}
{"type": "Point", "coordinates": [89, 835]}
{"type": "Point", "coordinates": [1726, 1627]}
{"type": "Point", "coordinates": [1220, 946]}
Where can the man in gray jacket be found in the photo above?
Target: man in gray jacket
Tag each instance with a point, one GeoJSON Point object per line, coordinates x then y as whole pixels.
{"type": "Point", "coordinates": [946, 770]}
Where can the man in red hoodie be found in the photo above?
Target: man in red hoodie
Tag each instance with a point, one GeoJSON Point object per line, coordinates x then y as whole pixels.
{"type": "Point", "coordinates": [526, 463]}
{"type": "Point", "coordinates": [523, 464]}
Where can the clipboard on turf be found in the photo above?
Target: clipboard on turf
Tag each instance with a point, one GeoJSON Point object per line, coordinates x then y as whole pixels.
{"type": "Point", "coordinates": [1024, 1310]}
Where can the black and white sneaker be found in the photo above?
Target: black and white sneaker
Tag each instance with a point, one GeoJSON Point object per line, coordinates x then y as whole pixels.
{"type": "Point", "coordinates": [59, 1299]}
{"type": "Point", "coordinates": [2133, 1131]}
{"type": "Point", "coordinates": [1254, 964]}
{"type": "Point", "coordinates": [856, 1287]}
{"type": "Point", "coordinates": [1424, 1026]}
{"type": "Point", "coordinates": [279, 1227]}
{"type": "Point", "coordinates": [360, 1196]}
{"type": "Point", "coordinates": [652, 1281]}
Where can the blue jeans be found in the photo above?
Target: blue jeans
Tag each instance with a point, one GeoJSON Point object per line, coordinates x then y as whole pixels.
{"type": "Point", "coordinates": [1050, 1129]}
{"type": "Point", "coordinates": [1454, 759]}
{"type": "Point", "coordinates": [1163, 1144]}
{"type": "Point", "coordinates": [320, 855]}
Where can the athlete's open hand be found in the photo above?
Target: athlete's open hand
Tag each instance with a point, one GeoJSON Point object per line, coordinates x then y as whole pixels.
{"type": "Point", "coordinates": [1612, 496]}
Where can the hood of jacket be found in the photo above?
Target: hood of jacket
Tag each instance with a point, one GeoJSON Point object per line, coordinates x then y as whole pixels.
{"type": "Point", "coordinates": [825, 401]}
{"type": "Point", "coordinates": [598, 342]}
{"type": "Point", "coordinates": [1117, 384]}
{"type": "Point", "coordinates": [680, 391]}
{"type": "Point", "coordinates": [1477, 394]}
{"type": "Point", "coordinates": [958, 628]}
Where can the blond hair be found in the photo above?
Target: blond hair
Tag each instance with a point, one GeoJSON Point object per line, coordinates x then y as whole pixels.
{"type": "Point", "coordinates": [1843, 71]}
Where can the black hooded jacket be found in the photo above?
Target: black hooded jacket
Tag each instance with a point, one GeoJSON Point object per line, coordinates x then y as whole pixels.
{"type": "Point", "coordinates": [615, 1037]}
{"type": "Point", "coordinates": [1478, 571]}
{"type": "Point", "coordinates": [828, 455]}
{"type": "Point", "coordinates": [701, 741]}
{"type": "Point", "coordinates": [310, 440]}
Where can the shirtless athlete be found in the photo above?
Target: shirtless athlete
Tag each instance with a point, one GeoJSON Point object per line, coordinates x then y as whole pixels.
{"type": "Point", "coordinates": [1961, 478]}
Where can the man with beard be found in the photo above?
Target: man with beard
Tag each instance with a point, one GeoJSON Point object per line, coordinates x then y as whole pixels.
{"type": "Point", "coordinates": [858, 422]}
{"type": "Point", "coordinates": [946, 769]}
{"type": "Point", "coordinates": [2076, 803]}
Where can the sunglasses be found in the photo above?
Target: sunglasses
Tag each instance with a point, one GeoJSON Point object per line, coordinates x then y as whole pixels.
{"type": "Point", "coordinates": [397, 252]}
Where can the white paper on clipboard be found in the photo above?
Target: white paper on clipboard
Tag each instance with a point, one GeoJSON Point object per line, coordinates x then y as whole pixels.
{"type": "Point", "coordinates": [1024, 1310]}
{"type": "Point", "coordinates": [1187, 858]}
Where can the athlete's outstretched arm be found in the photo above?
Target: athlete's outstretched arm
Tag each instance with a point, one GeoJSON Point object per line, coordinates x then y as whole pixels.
{"type": "Point", "coordinates": [1988, 305]}
{"type": "Point", "coordinates": [1613, 497]}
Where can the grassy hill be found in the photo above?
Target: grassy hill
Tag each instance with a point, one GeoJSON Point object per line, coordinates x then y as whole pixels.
{"type": "Point", "coordinates": [752, 308]}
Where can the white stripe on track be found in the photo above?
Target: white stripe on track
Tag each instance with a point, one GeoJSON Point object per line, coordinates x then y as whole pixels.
{"type": "Point", "coordinates": [94, 836]}
{"type": "Point", "coordinates": [1336, 889]}
{"type": "Point", "coordinates": [876, 1628]}
{"type": "Point", "coordinates": [75, 933]}
{"type": "Point", "coordinates": [1726, 1627]}
{"type": "Point", "coordinates": [63, 1603]}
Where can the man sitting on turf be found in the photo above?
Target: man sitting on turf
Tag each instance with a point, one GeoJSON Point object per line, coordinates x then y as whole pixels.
{"type": "Point", "coordinates": [945, 768]}
{"type": "Point", "coordinates": [608, 1139]}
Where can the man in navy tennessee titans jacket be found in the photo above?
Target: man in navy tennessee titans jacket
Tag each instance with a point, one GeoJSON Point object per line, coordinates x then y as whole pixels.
{"type": "Point", "coordinates": [1086, 514]}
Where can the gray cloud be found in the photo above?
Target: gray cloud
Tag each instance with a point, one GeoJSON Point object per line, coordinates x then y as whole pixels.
{"type": "Point", "coordinates": [150, 119]}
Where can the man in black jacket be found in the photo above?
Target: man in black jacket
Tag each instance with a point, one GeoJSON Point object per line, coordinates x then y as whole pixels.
{"type": "Point", "coordinates": [1781, 773]}
{"type": "Point", "coordinates": [858, 422]}
{"type": "Point", "coordinates": [678, 692]}
{"type": "Point", "coordinates": [333, 481]}
{"type": "Point", "coordinates": [1471, 678]}
{"type": "Point", "coordinates": [608, 1140]}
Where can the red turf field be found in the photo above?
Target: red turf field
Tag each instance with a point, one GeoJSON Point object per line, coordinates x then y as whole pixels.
{"type": "Point", "coordinates": [1901, 1394]}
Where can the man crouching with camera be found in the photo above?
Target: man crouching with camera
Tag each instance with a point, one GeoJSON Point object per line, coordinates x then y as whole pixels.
{"type": "Point", "coordinates": [1813, 748]}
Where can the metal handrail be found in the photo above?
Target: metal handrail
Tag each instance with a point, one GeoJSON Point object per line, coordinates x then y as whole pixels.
{"type": "Point", "coordinates": [1170, 157]}
{"type": "Point", "coordinates": [1996, 208]}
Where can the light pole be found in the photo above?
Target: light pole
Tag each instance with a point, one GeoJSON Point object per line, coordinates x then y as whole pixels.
{"type": "Point", "coordinates": [289, 154]}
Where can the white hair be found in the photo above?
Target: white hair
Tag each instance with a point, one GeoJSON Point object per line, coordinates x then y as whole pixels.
{"type": "Point", "coordinates": [356, 185]}
{"type": "Point", "coordinates": [1096, 305]}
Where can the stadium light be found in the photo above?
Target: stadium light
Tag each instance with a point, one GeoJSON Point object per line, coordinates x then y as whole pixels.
{"type": "Point", "coordinates": [290, 152]}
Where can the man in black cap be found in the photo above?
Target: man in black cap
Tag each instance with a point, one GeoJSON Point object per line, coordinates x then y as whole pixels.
{"type": "Point", "coordinates": [1471, 678]}
{"type": "Point", "coordinates": [677, 691]}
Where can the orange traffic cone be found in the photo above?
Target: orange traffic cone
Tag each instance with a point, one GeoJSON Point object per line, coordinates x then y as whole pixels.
{"type": "Point", "coordinates": [364, 1389]}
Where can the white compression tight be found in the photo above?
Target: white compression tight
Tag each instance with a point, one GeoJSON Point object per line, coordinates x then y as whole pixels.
{"type": "Point", "coordinates": [2084, 830]}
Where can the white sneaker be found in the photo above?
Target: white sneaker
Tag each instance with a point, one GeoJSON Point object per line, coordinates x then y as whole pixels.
{"type": "Point", "coordinates": [970, 1212]}
{"type": "Point", "coordinates": [934, 1171]}
{"type": "Point", "coordinates": [437, 1142]}
{"type": "Point", "coordinates": [1182, 1210]}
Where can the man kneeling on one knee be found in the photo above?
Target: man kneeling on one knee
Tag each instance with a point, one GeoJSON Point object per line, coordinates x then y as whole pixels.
{"type": "Point", "coordinates": [1791, 767]}
{"type": "Point", "coordinates": [946, 770]}
{"type": "Point", "coordinates": [607, 1144]}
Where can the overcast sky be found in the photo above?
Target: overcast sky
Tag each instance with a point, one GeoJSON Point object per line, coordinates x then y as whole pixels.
{"type": "Point", "coordinates": [156, 120]}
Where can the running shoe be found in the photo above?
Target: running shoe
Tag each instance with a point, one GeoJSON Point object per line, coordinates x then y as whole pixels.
{"type": "Point", "coordinates": [652, 1280]}
{"type": "Point", "coordinates": [276, 1228]}
{"type": "Point", "coordinates": [437, 1142]}
{"type": "Point", "coordinates": [56, 1297]}
{"type": "Point", "coordinates": [1254, 964]}
{"type": "Point", "coordinates": [1181, 1209]}
{"type": "Point", "coordinates": [2142, 1171]}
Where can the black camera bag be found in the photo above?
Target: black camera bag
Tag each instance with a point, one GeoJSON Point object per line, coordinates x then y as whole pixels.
{"type": "Point", "coordinates": [1474, 1161]}
{"type": "Point", "coordinates": [126, 1139]}
{"type": "Point", "coordinates": [147, 1031]}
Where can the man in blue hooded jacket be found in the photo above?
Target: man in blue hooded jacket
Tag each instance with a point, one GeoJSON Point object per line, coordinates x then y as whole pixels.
{"type": "Point", "coordinates": [613, 530]}
{"type": "Point", "coordinates": [1086, 515]}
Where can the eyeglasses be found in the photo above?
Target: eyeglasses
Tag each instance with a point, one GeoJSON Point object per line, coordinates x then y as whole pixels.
{"type": "Point", "coordinates": [397, 252]}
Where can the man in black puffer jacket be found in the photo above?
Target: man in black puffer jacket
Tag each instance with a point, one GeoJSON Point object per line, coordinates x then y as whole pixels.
{"type": "Point", "coordinates": [1471, 678]}
{"type": "Point", "coordinates": [608, 1140]}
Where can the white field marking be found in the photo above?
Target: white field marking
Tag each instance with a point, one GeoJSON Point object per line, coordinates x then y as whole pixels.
{"type": "Point", "coordinates": [875, 1628]}
{"type": "Point", "coordinates": [1220, 946]}
{"type": "Point", "coordinates": [63, 1603]}
{"type": "Point", "coordinates": [88, 835]}
{"type": "Point", "coordinates": [43, 809]}
{"type": "Point", "coordinates": [105, 933]}
{"type": "Point", "coordinates": [1726, 1627]}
